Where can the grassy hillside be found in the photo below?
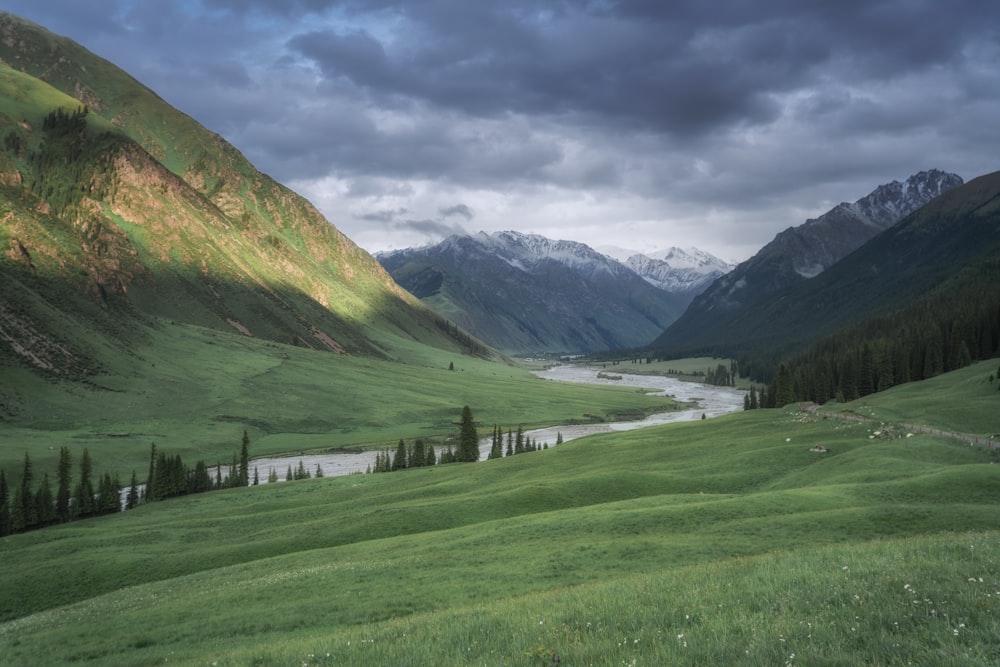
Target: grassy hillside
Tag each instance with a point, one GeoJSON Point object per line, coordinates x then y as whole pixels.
{"type": "Point", "coordinates": [117, 207]}
{"type": "Point", "coordinates": [193, 391]}
{"type": "Point", "coordinates": [718, 542]}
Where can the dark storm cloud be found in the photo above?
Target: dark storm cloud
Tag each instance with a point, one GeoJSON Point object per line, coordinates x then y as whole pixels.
{"type": "Point", "coordinates": [382, 216]}
{"type": "Point", "coordinates": [430, 229]}
{"type": "Point", "coordinates": [679, 68]}
{"type": "Point", "coordinates": [722, 121]}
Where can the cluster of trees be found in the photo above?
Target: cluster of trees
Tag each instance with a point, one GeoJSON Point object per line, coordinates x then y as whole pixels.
{"type": "Point", "coordinates": [516, 443]}
{"type": "Point", "coordinates": [722, 376]}
{"type": "Point", "coordinates": [25, 508]}
{"type": "Point", "coordinates": [421, 454]}
{"type": "Point", "coordinates": [417, 455]}
{"type": "Point", "coordinates": [941, 333]}
{"type": "Point", "coordinates": [70, 162]}
{"type": "Point", "coordinates": [754, 400]}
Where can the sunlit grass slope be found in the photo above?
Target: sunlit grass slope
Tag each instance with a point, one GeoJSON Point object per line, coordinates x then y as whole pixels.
{"type": "Point", "coordinates": [724, 541]}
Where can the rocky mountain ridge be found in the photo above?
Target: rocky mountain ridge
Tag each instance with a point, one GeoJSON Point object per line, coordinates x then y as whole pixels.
{"type": "Point", "coordinates": [678, 270]}
{"type": "Point", "coordinates": [527, 294]}
{"type": "Point", "coordinates": [803, 252]}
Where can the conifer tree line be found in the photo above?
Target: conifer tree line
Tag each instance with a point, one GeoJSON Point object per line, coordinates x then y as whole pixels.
{"type": "Point", "coordinates": [24, 507]}
{"type": "Point", "coordinates": [721, 376]}
{"type": "Point", "coordinates": [420, 454]}
{"type": "Point", "coordinates": [941, 333]}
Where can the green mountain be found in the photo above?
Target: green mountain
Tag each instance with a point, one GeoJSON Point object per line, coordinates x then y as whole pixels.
{"type": "Point", "coordinates": [119, 211]}
{"type": "Point", "coordinates": [928, 249]}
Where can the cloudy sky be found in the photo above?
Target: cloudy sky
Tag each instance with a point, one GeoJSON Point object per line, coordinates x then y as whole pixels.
{"type": "Point", "coordinates": [636, 123]}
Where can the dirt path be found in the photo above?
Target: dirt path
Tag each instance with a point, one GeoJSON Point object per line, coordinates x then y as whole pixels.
{"type": "Point", "coordinates": [916, 428]}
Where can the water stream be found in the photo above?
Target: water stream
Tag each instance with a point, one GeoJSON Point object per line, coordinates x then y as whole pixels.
{"type": "Point", "coordinates": [706, 400]}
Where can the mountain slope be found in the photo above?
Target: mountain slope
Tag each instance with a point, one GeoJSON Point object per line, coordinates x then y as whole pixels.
{"type": "Point", "coordinates": [902, 264]}
{"type": "Point", "coordinates": [797, 254]}
{"type": "Point", "coordinates": [527, 294]}
{"type": "Point", "coordinates": [126, 209]}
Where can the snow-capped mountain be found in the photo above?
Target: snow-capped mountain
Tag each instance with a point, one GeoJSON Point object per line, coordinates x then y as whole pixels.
{"type": "Point", "coordinates": [527, 294]}
{"type": "Point", "coordinates": [803, 252]}
{"type": "Point", "coordinates": [679, 270]}
{"type": "Point", "coordinates": [526, 251]}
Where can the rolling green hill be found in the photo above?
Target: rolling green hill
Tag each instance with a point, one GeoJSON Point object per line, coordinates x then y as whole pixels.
{"type": "Point", "coordinates": [719, 542]}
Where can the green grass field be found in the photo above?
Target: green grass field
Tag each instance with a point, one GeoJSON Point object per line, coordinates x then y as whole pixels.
{"type": "Point", "coordinates": [193, 391]}
{"type": "Point", "coordinates": [714, 542]}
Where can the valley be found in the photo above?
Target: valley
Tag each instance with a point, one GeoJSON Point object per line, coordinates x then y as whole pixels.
{"type": "Point", "coordinates": [689, 401]}
{"type": "Point", "coordinates": [166, 308]}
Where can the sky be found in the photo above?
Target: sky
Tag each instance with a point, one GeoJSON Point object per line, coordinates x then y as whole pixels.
{"type": "Point", "coordinates": [641, 124]}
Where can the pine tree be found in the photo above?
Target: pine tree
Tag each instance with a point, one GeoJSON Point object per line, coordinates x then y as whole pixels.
{"type": "Point", "coordinates": [468, 438]}
{"type": "Point", "coordinates": [108, 494]}
{"type": "Point", "coordinates": [245, 460]}
{"type": "Point", "coordinates": [45, 509]}
{"type": "Point", "coordinates": [272, 476]}
{"type": "Point", "coordinates": [496, 450]}
{"type": "Point", "coordinates": [4, 505]}
{"type": "Point", "coordinates": [150, 492]}
{"type": "Point", "coordinates": [519, 440]}
{"type": "Point", "coordinates": [27, 499]}
{"type": "Point", "coordinates": [256, 477]}
{"type": "Point", "coordinates": [63, 485]}
{"type": "Point", "coordinates": [200, 480]}
{"type": "Point", "coordinates": [559, 438]}
{"type": "Point", "coordinates": [431, 456]}
{"type": "Point", "coordinates": [418, 457]}
{"type": "Point", "coordinates": [510, 443]}
{"type": "Point", "coordinates": [288, 476]}
{"type": "Point", "coordinates": [301, 472]}
{"type": "Point", "coordinates": [319, 471]}
{"type": "Point", "coordinates": [133, 493]}
{"type": "Point", "coordinates": [399, 460]}
{"type": "Point", "coordinates": [18, 520]}
{"type": "Point", "coordinates": [784, 387]}
{"type": "Point", "coordinates": [235, 475]}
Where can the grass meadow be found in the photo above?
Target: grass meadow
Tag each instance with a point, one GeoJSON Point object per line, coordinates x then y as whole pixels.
{"type": "Point", "coordinates": [724, 541]}
{"type": "Point", "coordinates": [193, 391]}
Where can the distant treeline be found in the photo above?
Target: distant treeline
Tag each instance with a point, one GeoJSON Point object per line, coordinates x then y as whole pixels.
{"type": "Point", "coordinates": [948, 330]}
{"type": "Point", "coordinates": [26, 507]}
{"type": "Point", "coordinates": [421, 454]}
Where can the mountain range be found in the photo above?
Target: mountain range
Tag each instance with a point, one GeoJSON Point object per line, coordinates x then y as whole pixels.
{"type": "Point", "coordinates": [121, 213]}
{"type": "Point", "coordinates": [793, 257]}
{"type": "Point", "coordinates": [677, 270]}
{"type": "Point", "coordinates": [527, 294]}
{"type": "Point", "coordinates": [940, 266]}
